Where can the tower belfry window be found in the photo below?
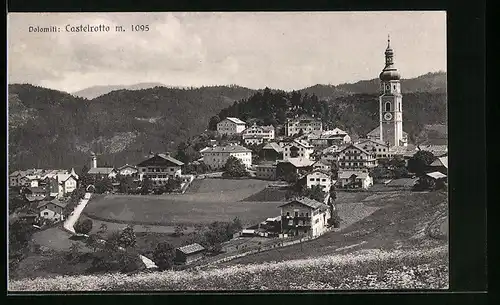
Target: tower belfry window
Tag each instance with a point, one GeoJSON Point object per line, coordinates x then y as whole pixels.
{"type": "Point", "coordinates": [388, 106]}
{"type": "Point", "coordinates": [399, 106]}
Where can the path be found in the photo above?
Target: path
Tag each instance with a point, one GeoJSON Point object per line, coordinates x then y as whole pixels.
{"type": "Point", "coordinates": [73, 218]}
{"type": "Point", "coordinates": [114, 226]}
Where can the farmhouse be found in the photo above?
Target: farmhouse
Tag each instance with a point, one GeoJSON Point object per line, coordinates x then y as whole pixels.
{"type": "Point", "coordinates": [379, 148]}
{"type": "Point", "coordinates": [188, 254]}
{"type": "Point", "coordinates": [272, 152]}
{"type": "Point", "coordinates": [307, 124]}
{"type": "Point", "coordinates": [357, 179]}
{"type": "Point", "coordinates": [297, 149]}
{"type": "Point", "coordinates": [128, 170]}
{"type": "Point", "coordinates": [266, 171]}
{"type": "Point", "coordinates": [304, 216]}
{"type": "Point", "coordinates": [321, 178]}
{"type": "Point", "coordinates": [52, 210]}
{"type": "Point", "coordinates": [293, 166]}
{"type": "Point", "coordinates": [67, 183]}
{"type": "Point", "coordinates": [258, 134]}
{"type": "Point", "coordinates": [216, 157]}
{"type": "Point", "coordinates": [355, 157]}
{"type": "Point", "coordinates": [159, 168]}
{"type": "Point", "coordinates": [230, 126]}
{"type": "Point", "coordinates": [335, 136]}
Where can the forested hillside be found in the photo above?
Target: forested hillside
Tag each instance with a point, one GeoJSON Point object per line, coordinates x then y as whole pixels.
{"type": "Point", "coordinates": [49, 128]}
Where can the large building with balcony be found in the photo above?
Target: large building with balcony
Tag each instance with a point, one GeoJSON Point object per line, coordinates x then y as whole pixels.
{"type": "Point", "coordinates": [159, 168]}
{"type": "Point", "coordinates": [216, 157]}
{"type": "Point", "coordinates": [379, 148]}
{"type": "Point", "coordinates": [354, 157]}
{"type": "Point", "coordinates": [307, 124]}
{"type": "Point", "coordinates": [335, 136]}
{"type": "Point", "coordinates": [304, 216]}
{"type": "Point", "coordinates": [255, 135]}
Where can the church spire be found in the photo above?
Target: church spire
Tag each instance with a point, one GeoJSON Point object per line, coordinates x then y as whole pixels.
{"type": "Point", "coordinates": [389, 72]}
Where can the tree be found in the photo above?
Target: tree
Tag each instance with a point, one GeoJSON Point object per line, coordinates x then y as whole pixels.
{"type": "Point", "coordinates": [146, 185]}
{"type": "Point", "coordinates": [102, 229]}
{"type": "Point", "coordinates": [173, 184]}
{"type": "Point", "coordinates": [420, 161]}
{"type": "Point", "coordinates": [212, 124]}
{"type": "Point", "coordinates": [315, 192]}
{"type": "Point", "coordinates": [335, 219]}
{"type": "Point", "coordinates": [234, 168]}
{"type": "Point", "coordinates": [127, 237]}
{"type": "Point", "coordinates": [113, 241]}
{"type": "Point", "coordinates": [103, 185]}
{"type": "Point", "coordinates": [292, 177]}
{"type": "Point", "coordinates": [179, 230]}
{"type": "Point", "coordinates": [236, 226]}
{"type": "Point", "coordinates": [126, 184]}
{"type": "Point", "coordinates": [93, 242]}
{"type": "Point", "coordinates": [83, 227]}
{"type": "Point", "coordinates": [163, 255]}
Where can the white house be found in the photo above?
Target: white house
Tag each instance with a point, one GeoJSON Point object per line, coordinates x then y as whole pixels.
{"type": "Point", "coordinates": [258, 134]}
{"type": "Point", "coordinates": [128, 170]}
{"type": "Point", "coordinates": [67, 183]}
{"type": "Point", "coordinates": [321, 178]}
{"type": "Point", "coordinates": [355, 157]}
{"type": "Point", "coordinates": [216, 157]}
{"type": "Point", "coordinates": [379, 148]}
{"type": "Point", "coordinates": [307, 124]}
{"type": "Point", "coordinates": [354, 179]}
{"type": "Point", "coordinates": [52, 210]}
{"type": "Point", "coordinates": [159, 168]}
{"type": "Point", "coordinates": [304, 216]}
{"type": "Point", "coordinates": [230, 126]}
{"type": "Point", "coordinates": [297, 149]}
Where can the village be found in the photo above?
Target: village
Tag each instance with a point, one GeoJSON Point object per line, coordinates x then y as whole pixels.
{"type": "Point", "coordinates": [302, 157]}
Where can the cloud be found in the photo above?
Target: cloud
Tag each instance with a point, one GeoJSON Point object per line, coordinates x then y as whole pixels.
{"type": "Point", "coordinates": [280, 50]}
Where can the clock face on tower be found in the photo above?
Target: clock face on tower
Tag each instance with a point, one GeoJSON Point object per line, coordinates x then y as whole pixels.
{"type": "Point", "coordinates": [387, 116]}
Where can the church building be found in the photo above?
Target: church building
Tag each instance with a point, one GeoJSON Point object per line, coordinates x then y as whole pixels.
{"type": "Point", "coordinates": [390, 129]}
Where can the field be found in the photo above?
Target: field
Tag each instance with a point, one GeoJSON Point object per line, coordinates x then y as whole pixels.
{"type": "Point", "coordinates": [208, 200]}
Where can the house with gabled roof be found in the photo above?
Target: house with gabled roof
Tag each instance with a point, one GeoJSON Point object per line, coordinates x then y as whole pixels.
{"type": "Point", "coordinates": [128, 170]}
{"type": "Point", "coordinates": [53, 210]}
{"type": "Point", "coordinates": [303, 123]}
{"type": "Point", "coordinates": [335, 136]}
{"type": "Point", "coordinates": [272, 151]}
{"type": "Point", "coordinates": [159, 168]}
{"type": "Point", "coordinates": [230, 126]}
{"type": "Point", "coordinates": [297, 149]}
{"type": "Point", "coordinates": [440, 165]}
{"type": "Point", "coordinates": [322, 164]}
{"type": "Point", "coordinates": [356, 157]}
{"type": "Point", "coordinates": [354, 179]}
{"type": "Point", "coordinates": [189, 253]}
{"type": "Point", "coordinates": [304, 216]}
{"type": "Point", "coordinates": [319, 177]}
{"type": "Point", "coordinates": [379, 148]}
{"type": "Point", "coordinates": [290, 166]}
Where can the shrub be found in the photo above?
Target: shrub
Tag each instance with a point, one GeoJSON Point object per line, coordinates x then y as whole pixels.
{"type": "Point", "coordinates": [163, 255]}
{"type": "Point", "coordinates": [335, 219]}
{"type": "Point", "coordinates": [83, 227]}
{"type": "Point", "coordinates": [127, 237]}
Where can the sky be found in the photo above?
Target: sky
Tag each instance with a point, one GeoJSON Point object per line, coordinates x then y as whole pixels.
{"type": "Point", "coordinates": [281, 50]}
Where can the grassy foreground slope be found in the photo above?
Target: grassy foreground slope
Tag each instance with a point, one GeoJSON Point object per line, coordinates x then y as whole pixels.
{"type": "Point", "coordinates": [368, 269]}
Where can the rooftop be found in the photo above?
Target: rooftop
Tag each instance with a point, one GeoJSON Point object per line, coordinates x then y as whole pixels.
{"type": "Point", "coordinates": [235, 120]}
{"type": "Point", "coordinates": [307, 202]}
{"type": "Point", "coordinates": [228, 149]}
{"type": "Point", "coordinates": [436, 175]}
{"type": "Point", "coordinates": [273, 146]}
{"type": "Point", "coordinates": [59, 203]}
{"type": "Point", "coordinates": [192, 248]}
{"type": "Point", "coordinates": [299, 162]}
{"type": "Point", "coordinates": [101, 170]}
{"type": "Point", "coordinates": [442, 161]}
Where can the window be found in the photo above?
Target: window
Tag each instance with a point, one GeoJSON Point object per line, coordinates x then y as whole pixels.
{"type": "Point", "coordinates": [296, 214]}
{"type": "Point", "coordinates": [312, 179]}
{"type": "Point", "coordinates": [307, 214]}
{"type": "Point", "coordinates": [388, 106]}
{"type": "Point", "coordinates": [287, 213]}
{"type": "Point", "coordinates": [399, 106]}
{"type": "Point", "coordinates": [45, 213]}
{"type": "Point", "coordinates": [324, 179]}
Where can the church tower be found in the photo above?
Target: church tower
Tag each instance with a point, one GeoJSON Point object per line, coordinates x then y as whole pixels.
{"type": "Point", "coordinates": [391, 108]}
